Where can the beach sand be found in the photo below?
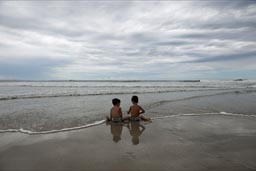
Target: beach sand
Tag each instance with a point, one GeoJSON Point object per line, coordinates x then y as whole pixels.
{"type": "Point", "coordinates": [204, 142]}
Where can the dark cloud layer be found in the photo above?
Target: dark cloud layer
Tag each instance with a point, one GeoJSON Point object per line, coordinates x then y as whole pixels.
{"type": "Point", "coordinates": [127, 39]}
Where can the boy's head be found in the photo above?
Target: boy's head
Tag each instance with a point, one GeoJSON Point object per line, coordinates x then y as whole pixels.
{"type": "Point", "coordinates": [116, 101]}
{"type": "Point", "coordinates": [135, 99]}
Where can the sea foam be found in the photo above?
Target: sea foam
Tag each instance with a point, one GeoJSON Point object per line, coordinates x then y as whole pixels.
{"type": "Point", "coordinates": [21, 130]}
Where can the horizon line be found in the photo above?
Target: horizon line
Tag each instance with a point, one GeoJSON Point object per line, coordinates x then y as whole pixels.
{"type": "Point", "coordinates": [111, 80]}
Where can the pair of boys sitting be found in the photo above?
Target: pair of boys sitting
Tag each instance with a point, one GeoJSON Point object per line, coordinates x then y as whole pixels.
{"type": "Point", "coordinates": [135, 111]}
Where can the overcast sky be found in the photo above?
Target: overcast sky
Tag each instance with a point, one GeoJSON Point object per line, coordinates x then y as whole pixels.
{"type": "Point", "coordinates": [127, 40]}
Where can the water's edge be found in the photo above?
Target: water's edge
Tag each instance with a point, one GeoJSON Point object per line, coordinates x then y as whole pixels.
{"type": "Point", "coordinates": [100, 122]}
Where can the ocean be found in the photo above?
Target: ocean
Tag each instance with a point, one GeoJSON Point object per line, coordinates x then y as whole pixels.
{"type": "Point", "coordinates": [52, 106]}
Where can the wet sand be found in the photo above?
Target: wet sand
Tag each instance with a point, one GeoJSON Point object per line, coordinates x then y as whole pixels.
{"type": "Point", "coordinates": [210, 142]}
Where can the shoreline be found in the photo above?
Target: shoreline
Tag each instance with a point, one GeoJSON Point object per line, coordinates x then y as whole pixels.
{"type": "Point", "coordinates": [205, 142]}
{"type": "Point", "coordinates": [52, 115]}
{"type": "Point", "coordinates": [100, 122]}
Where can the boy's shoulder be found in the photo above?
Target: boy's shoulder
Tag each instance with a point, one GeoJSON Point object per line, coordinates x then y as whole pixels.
{"type": "Point", "coordinates": [135, 105]}
{"type": "Point", "coordinates": [117, 107]}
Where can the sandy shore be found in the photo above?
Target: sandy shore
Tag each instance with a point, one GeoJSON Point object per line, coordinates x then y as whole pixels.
{"type": "Point", "coordinates": [214, 142]}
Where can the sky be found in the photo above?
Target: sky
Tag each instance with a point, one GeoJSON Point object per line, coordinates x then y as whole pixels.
{"type": "Point", "coordinates": [127, 40]}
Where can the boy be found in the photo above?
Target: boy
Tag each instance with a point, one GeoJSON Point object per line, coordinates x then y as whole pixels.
{"type": "Point", "coordinates": [116, 111]}
{"type": "Point", "coordinates": [136, 110]}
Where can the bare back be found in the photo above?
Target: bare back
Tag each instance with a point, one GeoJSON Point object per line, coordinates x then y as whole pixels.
{"type": "Point", "coordinates": [136, 110]}
{"type": "Point", "coordinates": [116, 112]}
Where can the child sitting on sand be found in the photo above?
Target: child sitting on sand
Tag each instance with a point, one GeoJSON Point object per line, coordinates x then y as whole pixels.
{"type": "Point", "coordinates": [136, 110]}
{"type": "Point", "coordinates": [116, 111]}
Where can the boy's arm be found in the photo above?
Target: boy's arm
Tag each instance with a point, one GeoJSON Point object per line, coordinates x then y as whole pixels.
{"type": "Point", "coordinates": [121, 113]}
{"type": "Point", "coordinates": [129, 111]}
{"type": "Point", "coordinates": [110, 113]}
{"type": "Point", "coordinates": [142, 110]}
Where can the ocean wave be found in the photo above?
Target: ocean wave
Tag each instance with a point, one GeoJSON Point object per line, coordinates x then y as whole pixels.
{"type": "Point", "coordinates": [120, 86]}
{"type": "Point", "coordinates": [96, 123]}
{"type": "Point", "coordinates": [33, 96]}
{"type": "Point", "coordinates": [139, 85]}
{"type": "Point", "coordinates": [116, 86]}
{"type": "Point", "coordinates": [203, 114]}
{"type": "Point", "coordinates": [99, 80]}
{"type": "Point", "coordinates": [200, 96]}
{"type": "Point", "coordinates": [21, 130]}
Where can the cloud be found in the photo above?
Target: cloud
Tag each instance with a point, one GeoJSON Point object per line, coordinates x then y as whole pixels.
{"type": "Point", "coordinates": [126, 39]}
{"type": "Point", "coordinates": [36, 69]}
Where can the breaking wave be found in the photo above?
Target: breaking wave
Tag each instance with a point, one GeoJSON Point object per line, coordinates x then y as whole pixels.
{"type": "Point", "coordinates": [21, 130]}
{"type": "Point", "coordinates": [32, 96]}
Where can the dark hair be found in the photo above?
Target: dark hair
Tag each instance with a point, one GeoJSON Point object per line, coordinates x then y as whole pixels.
{"type": "Point", "coordinates": [135, 99]}
{"type": "Point", "coordinates": [115, 101]}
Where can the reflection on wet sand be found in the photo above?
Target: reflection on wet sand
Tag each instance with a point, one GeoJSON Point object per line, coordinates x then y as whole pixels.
{"type": "Point", "coordinates": [116, 131]}
{"type": "Point", "coordinates": [135, 129]}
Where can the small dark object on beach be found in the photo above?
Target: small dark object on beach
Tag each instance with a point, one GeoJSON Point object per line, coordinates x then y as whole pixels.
{"type": "Point", "coordinates": [239, 79]}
